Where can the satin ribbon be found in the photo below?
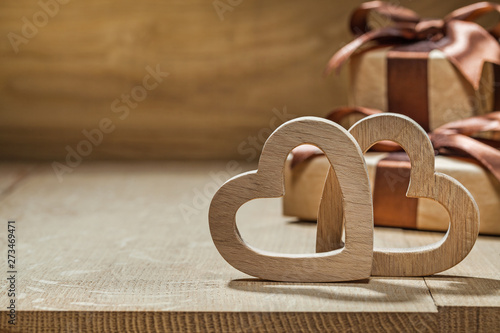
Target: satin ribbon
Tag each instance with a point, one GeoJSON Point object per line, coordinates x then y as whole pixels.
{"type": "Point", "coordinates": [466, 44]}
{"type": "Point", "coordinates": [458, 138]}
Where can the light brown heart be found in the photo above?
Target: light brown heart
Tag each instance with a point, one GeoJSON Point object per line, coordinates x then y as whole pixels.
{"type": "Point", "coordinates": [352, 262]}
{"type": "Point", "coordinates": [424, 183]}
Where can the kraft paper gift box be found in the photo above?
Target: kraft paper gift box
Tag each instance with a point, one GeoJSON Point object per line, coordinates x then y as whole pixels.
{"type": "Point", "coordinates": [468, 150]}
{"type": "Point", "coordinates": [443, 94]}
{"type": "Point", "coordinates": [434, 71]}
{"type": "Point", "coordinates": [389, 174]}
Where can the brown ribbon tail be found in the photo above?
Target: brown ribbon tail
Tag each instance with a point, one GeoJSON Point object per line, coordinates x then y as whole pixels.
{"type": "Point", "coordinates": [473, 125]}
{"type": "Point", "coordinates": [462, 32]}
{"type": "Point", "coordinates": [473, 12]}
{"type": "Point", "coordinates": [488, 156]}
{"type": "Point", "coordinates": [469, 60]}
{"type": "Point", "coordinates": [454, 139]}
{"type": "Point", "coordinates": [389, 35]}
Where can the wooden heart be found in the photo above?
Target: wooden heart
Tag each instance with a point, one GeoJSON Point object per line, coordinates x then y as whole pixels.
{"type": "Point", "coordinates": [353, 262]}
{"type": "Point", "coordinates": [424, 183]}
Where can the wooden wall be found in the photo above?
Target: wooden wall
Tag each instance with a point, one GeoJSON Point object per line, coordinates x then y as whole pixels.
{"type": "Point", "coordinates": [225, 75]}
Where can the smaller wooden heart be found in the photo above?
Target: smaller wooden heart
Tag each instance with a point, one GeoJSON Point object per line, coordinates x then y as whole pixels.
{"type": "Point", "coordinates": [353, 262]}
{"type": "Point", "coordinates": [424, 183]}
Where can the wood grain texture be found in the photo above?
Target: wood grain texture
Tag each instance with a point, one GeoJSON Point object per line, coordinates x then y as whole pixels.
{"type": "Point", "coordinates": [451, 319]}
{"type": "Point", "coordinates": [225, 76]}
{"type": "Point", "coordinates": [110, 250]}
{"type": "Point", "coordinates": [353, 261]}
{"type": "Point", "coordinates": [331, 228]}
{"type": "Point", "coordinates": [128, 322]}
{"type": "Point", "coordinates": [424, 183]}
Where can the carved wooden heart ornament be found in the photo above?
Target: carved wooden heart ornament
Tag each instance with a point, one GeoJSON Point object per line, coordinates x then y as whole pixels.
{"type": "Point", "coordinates": [352, 262]}
{"type": "Point", "coordinates": [424, 183]}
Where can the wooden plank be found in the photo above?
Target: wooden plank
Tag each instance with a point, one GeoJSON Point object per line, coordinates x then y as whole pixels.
{"type": "Point", "coordinates": [469, 319]}
{"type": "Point", "coordinates": [112, 237]}
{"type": "Point", "coordinates": [225, 76]}
{"type": "Point", "coordinates": [475, 282]}
{"type": "Point", "coordinates": [127, 322]}
{"type": "Point", "coordinates": [109, 248]}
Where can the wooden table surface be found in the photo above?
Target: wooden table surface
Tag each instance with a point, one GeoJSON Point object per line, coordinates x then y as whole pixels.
{"type": "Point", "coordinates": [125, 247]}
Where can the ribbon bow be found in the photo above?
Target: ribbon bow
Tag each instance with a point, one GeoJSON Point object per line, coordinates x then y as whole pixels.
{"type": "Point", "coordinates": [466, 44]}
{"type": "Point", "coordinates": [458, 138]}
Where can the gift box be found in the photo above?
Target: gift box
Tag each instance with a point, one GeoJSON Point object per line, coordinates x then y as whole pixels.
{"type": "Point", "coordinates": [434, 71]}
{"type": "Point", "coordinates": [442, 96]}
{"type": "Point", "coordinates": [389, 174]}
{"type": "Point", "coordinates": [467, 150]}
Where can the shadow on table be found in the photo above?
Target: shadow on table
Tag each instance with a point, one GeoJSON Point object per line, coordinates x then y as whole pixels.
{"type": "Point", "coordinates": [463, 285]}
{"type": "Point", "coordinates": [384, 289]}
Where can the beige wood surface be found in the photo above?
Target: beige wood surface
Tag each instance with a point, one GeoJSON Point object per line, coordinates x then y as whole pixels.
{"type": "Point", "coordinates": [226, 76]}
{"type": "Point", "coordinates": [110, 249]}
{"type": "Point", "coordinates": [353, 261]}
{"type": "Point", "coordinates": [424, 183]}
{"type": "Point", "coordinates": [12, 174]}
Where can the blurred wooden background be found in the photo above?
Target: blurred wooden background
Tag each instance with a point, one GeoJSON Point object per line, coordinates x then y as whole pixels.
{"type": "Point", "coordinates": [227, 72]}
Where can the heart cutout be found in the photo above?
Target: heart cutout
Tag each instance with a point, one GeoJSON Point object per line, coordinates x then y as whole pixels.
{"type": "Point", "coordinates": [353, 261]}
{"type": "Point", "coordinates": [424, 183]}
